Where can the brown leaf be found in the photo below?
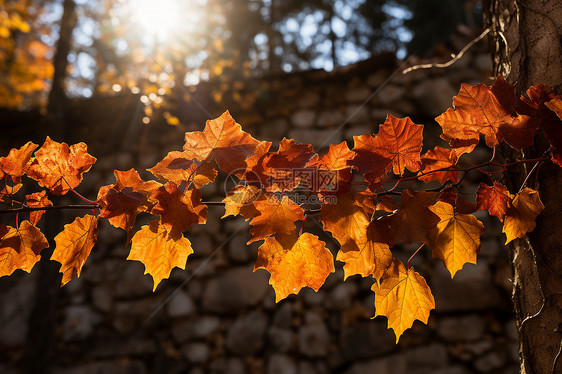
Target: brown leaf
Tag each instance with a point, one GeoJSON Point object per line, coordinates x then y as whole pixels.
{"type": "Point", "coordinates": [177, 210]}
{"type": "Point", "coordinates": [494, 199]}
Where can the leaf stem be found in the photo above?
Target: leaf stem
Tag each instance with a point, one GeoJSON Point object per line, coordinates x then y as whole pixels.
{"type": "Point", "coordinates": [302, 225]}
{"type": "Point", "coordinates": [55, 207]}
{"type": "Point", "coordinates": [82, 197]}
{"type": "Point", "coordinates": [413, 255]}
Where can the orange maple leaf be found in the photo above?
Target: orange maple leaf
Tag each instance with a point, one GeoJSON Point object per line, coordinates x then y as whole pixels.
{"type": "Point", "coordinates": [494, 199]}
{"type": "Point", "coordinates": [120, 203]}
{"type": "Point", "coordinates": [286, 167]}
{"type": "Point", "coordinates": [521, 214]}
{"type": "Point", "coordinates": [158, 251]}
{"type": "Point", "coordinates": [178, 210]}
{"type": "Point", "coordinates": [37, 200]}
{"type": "Point", "coordinates": [8, 191]}
{"type": "Point", "coordinates": [18, 160]}
{"type": "Point", "coordinates": [346, 220]}
{"type": "Point", "coordinates": [457, 236]}
{"type": "Point", "coordinates": [295, 262]}
{"type": "Point", "coordinates": [396, 147]}
{"type": "Point", "coordinates": [368, 255]}
{"type": "Point", "coordinates": [20, 247]}
{"type": "Point", "coordinates": [59, 167]}
{"type": "Point", "coordinates": [74, 244]}
{"type": "Point", "coordinates": [276, 217]}
{"type": "Point", "coordinates": [222, 140]}
{"type": "Point", "coordinates": [489, 111]}
{"type": "Point", "coordinates": [414, 221]}
{"type": "Point", "coordinates": [402, 296]}
{"type": "Point", "coordinates": [436, 159]}
{"type": "Point", "coordinates": [178, 167]}
{"type": "Point", "coordinates": [337, 162]}
{"type": "Point", "coordinates": [239, 201]}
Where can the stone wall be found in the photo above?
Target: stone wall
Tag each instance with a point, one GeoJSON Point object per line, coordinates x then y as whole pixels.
{"type": "Point", "coordinates": [217, 316]}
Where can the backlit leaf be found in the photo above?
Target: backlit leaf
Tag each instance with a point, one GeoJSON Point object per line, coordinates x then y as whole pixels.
{"type": "Point", "coordinates": [295, 263]}
{"type": "Point", "coordinates": [222, 140]}
{"type": "Point", "coordinates": [489, 111]}
{"type": "Point", "coordinates": [396, 147]}
{"type": "Point", "coordinates": [457, 238]}
{"type": "Point", "coordinates": [276, 217]}
{"type": "Point", "coordinates": [74, 244]}
{"type": "Point", "coordinates": [158, 251]}
{"type": "Point", "coordinates": [178, 167]}
{"type": "Point", "coordinates": [37, 200]}
{"type": "Point", "coordinates": [59, 167]}
{"type": "Point", "coordinates": [178, 210]}
{"type": "Point", "coordinates": [20, 247]}
{"type": "Point", "coordinates": [521, 214]}
{"type": "Point", "coordinates": [495, 199]}
{"type": "Point", "coordinates": [239, 201]}
{"type": "Point", "coordinates": [18, 160]}
{"type": "Point", "coordinates": [402, 296]}
{"type": "Point", "coordinates": [436, 159]}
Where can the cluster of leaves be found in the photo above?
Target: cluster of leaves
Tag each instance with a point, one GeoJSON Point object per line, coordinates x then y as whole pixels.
{"type": "Point", "coordinates": [354, 206]}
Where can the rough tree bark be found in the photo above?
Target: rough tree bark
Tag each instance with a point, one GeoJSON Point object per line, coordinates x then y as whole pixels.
{"type": "Point", "coordinates": [526, 48]}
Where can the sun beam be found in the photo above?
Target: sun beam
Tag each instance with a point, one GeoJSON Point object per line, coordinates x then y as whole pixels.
{"type": "Point", "coordinates": [160, 19]}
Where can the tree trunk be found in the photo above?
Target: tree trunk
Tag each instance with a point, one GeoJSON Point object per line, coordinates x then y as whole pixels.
{"type": "Point", "coordinates": [40, 342]}
{"type": "Point", "coordinates": [526, 49]}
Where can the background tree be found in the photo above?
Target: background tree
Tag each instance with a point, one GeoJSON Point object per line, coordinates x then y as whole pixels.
{"type": "Point", "coordinates": [526, 48]}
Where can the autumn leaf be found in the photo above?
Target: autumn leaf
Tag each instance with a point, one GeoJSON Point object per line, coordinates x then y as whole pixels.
{"type": "Point", "coordinates": [436, 159]}
{"type": "Point", "coordinates": [413, 222]}
{"type": "Point", "coordinates": [158, 251]}
{"type": "Point", "coordinates": [488, 111]}
{"type": "Point", "coordinates": [18, 160]}
{"type": "Point", "coordinates": [494, 199]}
{"type": "Point", "coordinates": [276, 217]}
{"type": "Point", "coordinates": [20, 247]}
{"type": "Point", "coordinates": [120, 203]}
{"type": "Point", "coordinates": [239, 201]}
{"type": "Point", "coordinates": [402, 296]}
{"type": "Point", "coordinates": [286, 167]}
{"type": "Point", "coordinates": [178, 167]}
{"type": "Point", "coordinates": [222, 140]}
{"type": "Point", "coordinates": [8, 191]}
{"type": "Point", "coordinates": [74, 244]}
{"type": "Point", "coordinates": [37, 200]}
{"type": "Point", "coordinates": [346, 220]}
{"type": "Point", "coordinates": [334, 168]}
{"type": "Point", "coordinates": [521, 214]}
{"type": "Point", "coordinates": [396, 147]}
{"type": "Point", "coordinates": [368, 255]}
{"type": "Point", "coordinates": [178, 210]}
{"type": "Point", "coordinates": [59, 167]}
{"type": "Point", "coordinates": [295, 262]}
{"type": "Point", "coordinates": [457, 237]}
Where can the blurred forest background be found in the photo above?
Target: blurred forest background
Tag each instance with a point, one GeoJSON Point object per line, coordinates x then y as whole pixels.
{"type": "Point", "coordinates": [103, 47]}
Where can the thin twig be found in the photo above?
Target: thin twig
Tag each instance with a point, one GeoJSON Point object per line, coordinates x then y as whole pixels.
{"type": "Point", "coordinates": [451, 61]}
{"type": "Point", "coordinates": [412, 256]}
{"type": "Point", "coordinates": [55, 207]}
